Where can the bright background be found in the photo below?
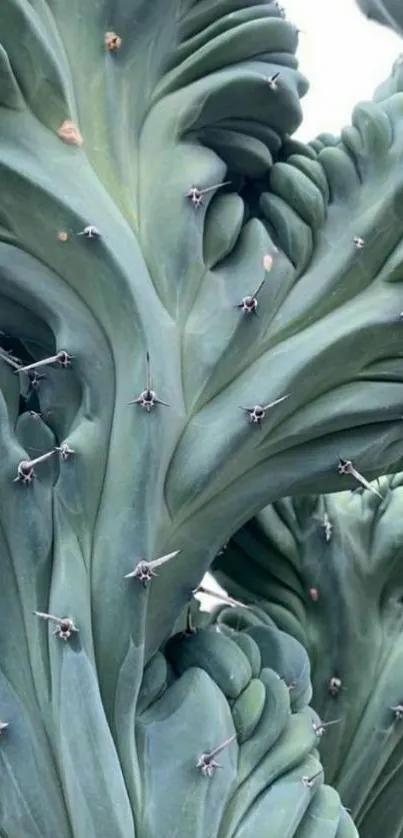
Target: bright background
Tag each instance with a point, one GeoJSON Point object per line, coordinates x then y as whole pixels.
{"type": "Point", "coordinates": [345, 57]}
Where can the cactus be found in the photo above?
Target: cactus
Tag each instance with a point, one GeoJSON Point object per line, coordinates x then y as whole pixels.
{"type": "Point", "coordinates": [249, 766]}
{"type": "Point", "coordinates": [387, 12]}
{"type": "Point", "coordinates": [328, 570]}
{"type": "Point", "coordinates": [198, 316]}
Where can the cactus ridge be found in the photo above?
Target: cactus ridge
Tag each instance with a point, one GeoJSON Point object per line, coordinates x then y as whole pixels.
{"type": "Point", "coordinates": [352, 628]}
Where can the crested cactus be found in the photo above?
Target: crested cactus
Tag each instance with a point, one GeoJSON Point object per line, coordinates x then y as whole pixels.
{"type": "Point", "coordinates": [328, 570]}
{"type": "Point", "coordinates": [254, 745]}
{"type": "Point", "coordinates": [198, 316]}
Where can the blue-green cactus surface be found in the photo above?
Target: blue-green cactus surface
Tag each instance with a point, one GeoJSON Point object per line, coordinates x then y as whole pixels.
{"type": "Point", "coordinates": [198, 316]}
{"type": "Point", "coordinates": [329, 571]}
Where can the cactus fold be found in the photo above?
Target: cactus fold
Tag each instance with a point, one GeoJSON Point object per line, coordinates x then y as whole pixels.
{"type": "Point", "coordinates": [229, 683]}
{"type": "Point", "coordinates": [149, 186]}
{"type": "Point", "coordinates": [387, 12]}
{"type": "Point", "coordinates": [351, 627]}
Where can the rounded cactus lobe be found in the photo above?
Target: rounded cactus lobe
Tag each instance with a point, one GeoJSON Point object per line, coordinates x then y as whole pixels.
{"type": "Point", "coordinates": [251, 651]}
{"type": "Point", "coordinates": [346, 550]}
{"type": "Point", "coordinates": [268, 774]}
{"type": "Point", "coordinates": [157, 267]}
{"type": "Point", "coordinates": [55, 188]}
{"type": "Point", "coordinates": [247, 709]}
{"type": "Point", "coordinates": [117, 141]}
{"type": "Point", "coordinates": [222, 659]}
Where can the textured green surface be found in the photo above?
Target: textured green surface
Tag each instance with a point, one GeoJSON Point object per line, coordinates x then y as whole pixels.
{"type": "Point", "coordinates": [166, 278]}
{"type": "Point", "coordinates": [187, 101]}
{"type": "Point", "coordinates": [343, 599]}
{"type": "Point", "coordinates": [258, 789]}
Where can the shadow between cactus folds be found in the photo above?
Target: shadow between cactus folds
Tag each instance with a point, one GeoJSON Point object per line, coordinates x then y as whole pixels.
{"type": "Point", "coordinates": [105, 256]}
{"type": "Point", "coordinates": [329, 571]}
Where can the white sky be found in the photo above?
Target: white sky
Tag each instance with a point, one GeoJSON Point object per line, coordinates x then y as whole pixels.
{"type": "Point", "coordinates": [344, 57]}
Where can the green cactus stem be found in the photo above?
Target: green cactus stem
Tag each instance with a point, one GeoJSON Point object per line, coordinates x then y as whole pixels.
{"type": "Point", "coordinates": [148, 182]}
{"type": "Point", "coordinates": [352, 630]}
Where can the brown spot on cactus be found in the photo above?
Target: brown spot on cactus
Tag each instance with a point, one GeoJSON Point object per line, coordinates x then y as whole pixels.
{"type": "Point", "coordinates": [112, 41]}
{"type": "Point", "coordinates": [70, 133]}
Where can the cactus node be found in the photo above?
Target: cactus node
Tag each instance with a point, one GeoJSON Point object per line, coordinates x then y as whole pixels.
{"type": "Point", "coordinates": [145, 571]}
{"type": "Point", "coordinates": [309, 781]}
{"type": "Point", "coordinates": [321, 727]}
{"type": "Point", "coordinates": [207, 762]}
{"type": "Point", "coordinates": [258, 412]}
{"type": "Point", "coordinates": [347, 467]}
{"type": "Point", "coordinates": [90, 232]}
{"type": "Point", "coordinates": [64, 626]}
{"type": "Point", "coordinates": [334, 685]}
{"type": "Point", "coordinates": [26, 468]}
{"type": "Point", "coordinates": [148, 398]}
{"type": "Point", "coordinates": [189, 629]}
{"type": "Point", "coordinates": [398, 711]}
{"type": "Point", "coordinates": [62, 358]}
{"type": "Point", "coordinates": [64, 450]}
{"type": "Point", "coordinates": [35, 379]}
{"type": "Point", "coordinates": [196, 195]}
{"type": "Point", "coordinates": [249, 303]}
{"type": "Point", "coordinates": [272, 81]}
